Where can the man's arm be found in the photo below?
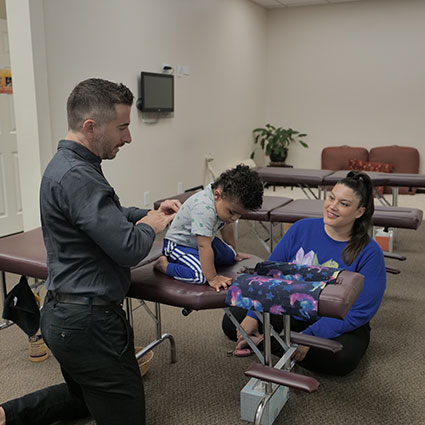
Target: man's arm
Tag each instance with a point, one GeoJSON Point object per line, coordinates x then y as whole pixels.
{"type": "Point", "coordinates": [94, 209]}
{"type": "Point", "coordinates": [134, 214]}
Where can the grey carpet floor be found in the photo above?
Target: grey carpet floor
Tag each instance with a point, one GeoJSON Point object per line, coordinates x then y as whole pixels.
{"type": "Point", "coordinates": [203, 387]}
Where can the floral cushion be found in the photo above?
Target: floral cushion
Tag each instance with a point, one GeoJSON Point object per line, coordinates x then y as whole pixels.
{"type": "Point", "coordinates": [381, 167]}
{"type": "Point", "coordinates": [358, 164]}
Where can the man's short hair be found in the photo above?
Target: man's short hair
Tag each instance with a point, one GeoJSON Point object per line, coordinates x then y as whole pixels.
{"type": "Point", "coordinates": [96, 99]}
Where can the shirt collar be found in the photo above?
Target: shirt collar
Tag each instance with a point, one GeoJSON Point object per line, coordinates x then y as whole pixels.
{"type": "Point", "coordinates": [80, 150]}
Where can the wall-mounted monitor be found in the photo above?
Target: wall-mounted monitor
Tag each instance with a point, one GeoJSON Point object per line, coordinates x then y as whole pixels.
{"type": "Point", "coordinates": [157, 92]}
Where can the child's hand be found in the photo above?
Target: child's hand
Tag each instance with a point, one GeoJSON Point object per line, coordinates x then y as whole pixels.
{"type": "Point", "coordinates": [220, 282]}
{"type": "Point", "coordinates": [240, 257]}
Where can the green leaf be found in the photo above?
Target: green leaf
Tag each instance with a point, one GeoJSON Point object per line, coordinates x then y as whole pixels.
{"type": "Point", "coordinates": [277, 139]}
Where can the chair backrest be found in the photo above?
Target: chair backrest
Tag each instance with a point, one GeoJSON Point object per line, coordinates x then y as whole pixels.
{"type": "Point", "coordinates": [404, 159]}
{"type": "Point", "coordinates": [337, 157]}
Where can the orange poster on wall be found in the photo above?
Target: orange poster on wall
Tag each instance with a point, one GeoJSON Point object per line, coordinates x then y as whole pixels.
{"type": "Point", "coordinates": [6, 81]}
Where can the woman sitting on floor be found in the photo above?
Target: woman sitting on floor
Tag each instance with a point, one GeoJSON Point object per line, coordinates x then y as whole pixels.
{"type": "Point", "coordinates": [339, 239]}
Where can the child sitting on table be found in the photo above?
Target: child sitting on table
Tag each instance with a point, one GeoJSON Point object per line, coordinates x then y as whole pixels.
{"type": "Point", "coordinates": [191, 250]}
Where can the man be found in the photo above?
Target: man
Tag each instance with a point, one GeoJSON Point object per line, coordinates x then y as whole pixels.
{"type": "Point", "coordinates": [91, 242]}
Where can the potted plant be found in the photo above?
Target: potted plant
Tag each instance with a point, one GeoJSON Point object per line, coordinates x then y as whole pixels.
{"type": "Point", "coordinates": [275, 141]}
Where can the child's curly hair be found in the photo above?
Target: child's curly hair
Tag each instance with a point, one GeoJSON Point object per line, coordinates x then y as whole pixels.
{"type": "Point", "coordinates": [241, 185]}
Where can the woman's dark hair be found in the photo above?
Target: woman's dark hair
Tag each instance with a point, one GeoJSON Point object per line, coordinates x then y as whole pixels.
{"type": "Point", "coordinates": [361, 185]}
{"type": "Point", "coordinates": [241, 185]}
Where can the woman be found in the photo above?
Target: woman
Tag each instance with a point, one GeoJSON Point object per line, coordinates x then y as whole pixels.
{"type": "Point", "coordinates": [339, 239]}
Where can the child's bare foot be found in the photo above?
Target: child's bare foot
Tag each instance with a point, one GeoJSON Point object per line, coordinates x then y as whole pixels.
{"type": "Point", "coordinates": [161, 264]}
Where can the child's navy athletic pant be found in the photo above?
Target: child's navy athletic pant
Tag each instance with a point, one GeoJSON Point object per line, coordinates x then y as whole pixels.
{"type": "Point", "coordinates": [184, 263]}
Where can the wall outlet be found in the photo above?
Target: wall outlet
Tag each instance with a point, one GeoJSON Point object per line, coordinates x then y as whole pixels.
{"type": "Point", "coordinates": [179, 188]}
{"type": "Point", "coordinates": [147, 198]}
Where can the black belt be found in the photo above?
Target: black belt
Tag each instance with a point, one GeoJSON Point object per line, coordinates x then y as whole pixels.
{"type": "Point", "coordinates": [79, 299]}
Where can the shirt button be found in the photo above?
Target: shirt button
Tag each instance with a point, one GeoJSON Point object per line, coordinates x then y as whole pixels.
{"type": "Point", "coordinates": [62, 334]}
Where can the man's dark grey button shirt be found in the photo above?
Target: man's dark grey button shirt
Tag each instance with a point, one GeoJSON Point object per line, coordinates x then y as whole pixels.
{"type": "Point", "coordinates": [91, 240]}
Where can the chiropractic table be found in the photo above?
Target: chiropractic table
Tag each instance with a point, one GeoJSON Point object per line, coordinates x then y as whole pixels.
{"type": "Point", "coordinates": [260, 216]}
{"type": "Point", "coordinates": [25, 254]}
{"type": "Point", "coordinates": [303, 178]}
{"type": "Point", "coordinates": [308, 178]}
{"type": "Point", "coordinates": [395, 180]}
{"type": "Point", "coordinates": [276, 209]}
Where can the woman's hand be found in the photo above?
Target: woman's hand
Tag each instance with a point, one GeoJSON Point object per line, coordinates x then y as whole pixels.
{"type": "Point", "coordinates": [250, 326]}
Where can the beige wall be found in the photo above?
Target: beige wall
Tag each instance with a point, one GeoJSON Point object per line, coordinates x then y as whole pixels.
{"type": "Point", "coordinates": [2, 9]}
{"type": "Point", "coordinates": [216, 106]}
{"type": "Point", "coordinates": [350, 73]}
{"type": "Point", "coordinates": [31, 103]}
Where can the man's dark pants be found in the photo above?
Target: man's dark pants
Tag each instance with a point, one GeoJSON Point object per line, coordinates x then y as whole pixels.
{"type": "Point", "coordinates": [95, 348]}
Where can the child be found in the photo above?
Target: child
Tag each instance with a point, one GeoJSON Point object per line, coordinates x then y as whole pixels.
{"type": "Point", "coordinates": [191, 250]}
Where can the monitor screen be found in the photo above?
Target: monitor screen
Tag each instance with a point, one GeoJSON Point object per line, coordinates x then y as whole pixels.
{"type": "Point", "coordinates": [157, 92]}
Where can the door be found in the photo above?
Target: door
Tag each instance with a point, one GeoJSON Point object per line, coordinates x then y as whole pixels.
{"type": "Point", "coordinates": [10, 197]}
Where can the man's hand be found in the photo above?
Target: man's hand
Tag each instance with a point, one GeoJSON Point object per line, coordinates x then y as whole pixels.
{"type": "Point", "coordinates": [240, 256]}
{"type": "Point", "coordinates": [170, 206]}
{"type": "Point", "coordinates": [300, 353]}
{"type": "Point", "coordinates": [157, 220]}
{"type": "Point", "coordinates": [220, 282]}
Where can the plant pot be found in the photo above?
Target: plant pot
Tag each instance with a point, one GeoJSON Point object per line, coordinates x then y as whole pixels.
{"type": "Point", "coordinates": [279, 156]}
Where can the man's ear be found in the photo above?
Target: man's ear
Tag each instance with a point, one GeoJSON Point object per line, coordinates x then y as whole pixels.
{"type": "Point", "coordinates": [88, 127]}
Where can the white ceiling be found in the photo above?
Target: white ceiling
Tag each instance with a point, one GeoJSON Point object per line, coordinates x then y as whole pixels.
{"type": "Point", "coordinates": [271, 4]}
